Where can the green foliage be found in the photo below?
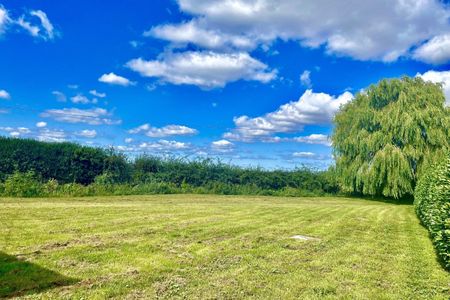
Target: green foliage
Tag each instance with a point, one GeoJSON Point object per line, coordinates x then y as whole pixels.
{"type": "Point", "coordinates": [23, 185]}
{"type": "Point", "coordinates": [388, 135]}
{"type": "Point", "coordinates": [51, 187]}
{"type": "Point", "coordinates": [65, 162]}
{"type": "Point", "coordinates": [117, 167]}
{"type": "Point", "coordinates": [73, 170]}
{"type": "Point", "coordinates": [432, 203]}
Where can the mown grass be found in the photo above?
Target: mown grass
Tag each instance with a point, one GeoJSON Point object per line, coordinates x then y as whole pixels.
{"type": "Point", "coordinates": [220, 247]}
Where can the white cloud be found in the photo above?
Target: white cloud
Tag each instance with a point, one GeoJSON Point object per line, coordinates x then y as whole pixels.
{"type": "Point", "coordinates": [46, 24]}
{"type": "Point", "coordinates": [114, 79]}
{"type": "Point", "coordinates": [4, 95]}
{"type": "Point", "coordinates": [304, 154]}
{"type": "Point", "coordinates": [439, 77]}
{"type": "Point", "coordinates": [93, 116]}
{"type": "Point", "coordinates": [4, 19]}
{"type": "Point", "coordinates": [44, 29]}
{"type": "Point", "coordinates": [164, 145]}
{"type": "Point", "coordinates": [135, 44]}
{"type": "Point", "coordinates": [73, 86]}
{"type": "Point", "coordinates": [305, 78]}
{"type": "Point", "coordinates": [80, 99]}
{"type": "Point", "coordinates": [33, 30]}
{"type": "Point", "coordinates": [97, 94]}
{"type": "Point", "coordinates": [17, 131]}
{"type": "Point", "coordinates": [87, 133]}
{"type": "Point", "coordinates": [49, 135]}
{"type": "Point", "coordinates": [365, 30]}
{"type": "Point", "coordinates": [59, 96]}
{"type": "Point", "coordinates": [41, 124]}
{"type": "Point", "coordinates": [169, 130]}
{"type": "Point", "coordinates": [128, 140]}
{"type": "Point", "coordinates": [191, 32]}
{"type": "Point", "coordinates": [204, 69]}
{"type": "Point", "coordinates": [311, 108]}
{"type": "Point", "coordinates": [222, 146]}
{"type": "Point", "coordinates": [316, 139]}
{"type": "Point", "coordinates": [436, 51]}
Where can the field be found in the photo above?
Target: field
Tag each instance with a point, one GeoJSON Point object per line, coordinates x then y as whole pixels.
{"type": "Point", "coordinates": [221, 247]}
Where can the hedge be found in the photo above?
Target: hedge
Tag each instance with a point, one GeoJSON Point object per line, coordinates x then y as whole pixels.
{"type": "Point", "coordinates": [432, 203]}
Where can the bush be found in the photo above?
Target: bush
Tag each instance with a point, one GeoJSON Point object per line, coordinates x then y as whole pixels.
{"type": "Point", "coordinates": [432, 203]}
{"type": "Point", "coordinates": [51, 187]}
{"type": "Point", "coordinates": [23, 185]}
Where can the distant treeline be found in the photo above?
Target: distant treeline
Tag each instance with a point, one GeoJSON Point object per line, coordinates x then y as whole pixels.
{"type": "Point", "coordinates": [81, 166]}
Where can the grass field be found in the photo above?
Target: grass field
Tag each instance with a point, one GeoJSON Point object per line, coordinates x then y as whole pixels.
{"type": "Point", "coordinates": [220, 247]}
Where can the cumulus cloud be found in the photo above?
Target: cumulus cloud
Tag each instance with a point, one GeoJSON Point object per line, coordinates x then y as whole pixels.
{"type": "Point", "coordinates": [97, 94]}
{"type": "Point", "coordinates": [222, 146]}
{"type": "Point", "coordinates": [93, 116]}
{"type": "Point", "coordinates": [311, 108]}
{"type": "Point", "coordinates": [80, 99]}
{"type": "Point", "coordinates": [205, 69]}
{"type": "Point", "coordinates": [436, 51]}
{"type": "Point", "coordinates": [439, 77]}
{"type": "Point", "coordinates": [49, 135]}
{"type": "Point", "coordinates": [304, 154]}
{"type": "Point", "coordinates": [4, 95]}
{"type": "Point", "coordinates": [315, 139]}
{"type": "Point", "coordinates": [41, 124]}
{"type": "Point", "coordinates": [59, 96]}
{"type": "Point", "coordinates": [162, 145]}
{"type": "Point", "coordinates": [310, 156]}
{"type": "Point", "coordinates": [114, 79]}
{"type": "Point", "coordinates": [16, 131]}
{"type": "Point", "coordinates": [192, 32]}
{"type": "Point", "coordinates": [86, 133]}
{"type": "Point", "coordinates": [365, 30]}
{"type": "Point", "coordinates": [169, 130]}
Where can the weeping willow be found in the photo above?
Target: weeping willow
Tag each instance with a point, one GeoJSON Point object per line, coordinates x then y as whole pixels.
{"type": "Point", "coordinates": [388, 135]}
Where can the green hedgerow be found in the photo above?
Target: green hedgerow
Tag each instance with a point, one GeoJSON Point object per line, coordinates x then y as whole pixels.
{"type": "Point", "coordinates": [432, 202]}
{"type": "Point", "coordinates": [23, 185]}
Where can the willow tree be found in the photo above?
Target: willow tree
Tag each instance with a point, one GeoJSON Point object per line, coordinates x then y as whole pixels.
{"type": "Point", "coordinates": [388, 135]}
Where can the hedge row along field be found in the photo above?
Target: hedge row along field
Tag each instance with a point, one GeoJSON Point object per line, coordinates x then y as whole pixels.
{"type": "Point", "coordinates": [432, 202]}
{"type": "Point", "coordinates": [31, 168]}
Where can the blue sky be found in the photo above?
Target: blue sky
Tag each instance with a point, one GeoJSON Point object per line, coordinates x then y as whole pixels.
{"type": "Point", "coordinates": [254, 82]}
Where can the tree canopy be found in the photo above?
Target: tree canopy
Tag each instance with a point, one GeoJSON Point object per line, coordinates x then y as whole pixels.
{"type": "Point", "coordinates": [388, 135]}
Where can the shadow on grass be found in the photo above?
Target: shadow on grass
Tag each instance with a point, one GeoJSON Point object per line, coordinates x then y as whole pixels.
{"type": "Point", "coordinates": [401, 201]}
{"type": "Point", "coordinates": [20, 277]}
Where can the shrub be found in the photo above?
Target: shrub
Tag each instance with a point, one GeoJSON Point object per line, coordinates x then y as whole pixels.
{"type": "Point", "coordinates": [106, 178]}
{"type": "Point", "coordinates": [51, 187]}
{"type": "Point", "coordinates": [23, 185]}
{"type": "Point", "coordinates": [432, 203]}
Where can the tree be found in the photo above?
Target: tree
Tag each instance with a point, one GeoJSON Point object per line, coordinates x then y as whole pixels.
{"type": "Point", "coordinates": [388, 135]}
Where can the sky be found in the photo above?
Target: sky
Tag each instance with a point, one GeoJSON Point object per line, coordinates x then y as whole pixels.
{"type": "Point", "coordinates": [252, 82]}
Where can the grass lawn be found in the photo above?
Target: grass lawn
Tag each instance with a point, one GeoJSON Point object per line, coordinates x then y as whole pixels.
{"type": "Point", "coordinates": [221, 247]}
